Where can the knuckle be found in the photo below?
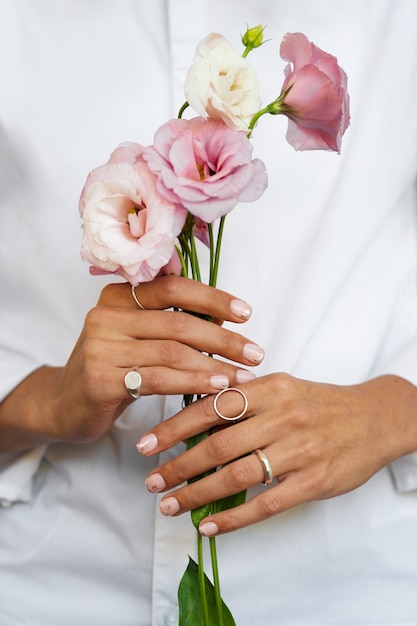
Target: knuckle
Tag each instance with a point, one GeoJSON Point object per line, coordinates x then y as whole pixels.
{"type": "Point", "coordinates": [154, 379]}
{"type": "Point", "coordinates": [170, 352]}
{"type": "Point", "coordinates": [96, 320]}
{"type": "Point", "coordinates": [228, 341]}
{"type": "Point", "coordinates": [178, 323]}
{"type": "Point", "coordinates": [318, 484]}
{"type": "Point", "coordinates": [232, 522]}
{"type": "Point", "coordinates": [269, 504]}
{"type": "Point", "coordinates": [239, 476]}
{"type": "Point", "coordinates": [175, 472]}
{"type": "Point", "coordinates": [207, 411]}
{"type": "Point", "coordinates": [282, 383]}
{"type": "Point", "coordinates": [109, 294]}
{"type": "Point", "coordinates": [171, 286]}
{"type": "Point", "coordinates": [301, 414]}
{"type": "Point", "coordinates": [219, 447]}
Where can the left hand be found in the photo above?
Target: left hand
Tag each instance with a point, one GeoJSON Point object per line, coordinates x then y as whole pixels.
{"type": "Point", "coordinates": [321, 441]}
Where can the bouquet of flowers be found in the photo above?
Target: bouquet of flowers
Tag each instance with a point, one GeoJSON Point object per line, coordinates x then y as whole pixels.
{"type": "Point", "coordinates": [145, 208]}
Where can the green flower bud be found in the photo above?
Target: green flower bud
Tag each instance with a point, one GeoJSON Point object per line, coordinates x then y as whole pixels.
{"type": "Point", "coordinates": [254, 37]}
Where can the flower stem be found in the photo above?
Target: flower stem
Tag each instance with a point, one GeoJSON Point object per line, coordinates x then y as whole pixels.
{"type": "Point", "coordinates": [194, 259]}
{"type": "Point", "coordinates": [182, 109]}
{"type": "Point", "coordinates": [211, 241]}
{"type": "Point", "coordinates": [213, 277]}
{"type": "Point", "coordinates": [216, 580]}
{"type": "Point", "coordinates": [184, 267]}
{"type": "Point", "coordinates": [255, 119]}
{"type": "Point", "coordinates": [201, 580]}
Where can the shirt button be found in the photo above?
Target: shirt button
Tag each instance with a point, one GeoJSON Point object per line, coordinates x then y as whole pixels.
{"type": "Point", "coordinates": [171, 619]}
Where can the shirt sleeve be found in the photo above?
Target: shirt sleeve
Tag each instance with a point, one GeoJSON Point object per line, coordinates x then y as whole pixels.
{"type": "Point", "coordinates": [17, 470]}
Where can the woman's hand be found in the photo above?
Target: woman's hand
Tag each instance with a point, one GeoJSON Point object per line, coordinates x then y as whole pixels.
{"type": "Point", "coordinates": [321, 441]}
{"type": "Point", "coordinates": [80, 402]}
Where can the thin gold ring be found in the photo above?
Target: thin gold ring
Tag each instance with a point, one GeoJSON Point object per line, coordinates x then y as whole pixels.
{"type": "Point", "coordinates": [136, 299]}
{"type": "Point", "coordinates": [241, 414]}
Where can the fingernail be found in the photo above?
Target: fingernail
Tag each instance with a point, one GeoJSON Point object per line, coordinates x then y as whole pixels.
{"type": "Point", "coordinates": [147, 444]}
{"type": "Point", "coordinates": [243, 376]}
{"type": "Point", "coordinates": [241, 309]}
{"type": "Point", "coordinates": [219, 382]}
{"type": "Point", "coordinates": [208, 529]}
{"type": "Point", "coordinates": [169, 506]}
{"type": "Point", "coordinates": [253, 353]}
{"type": "Point", "coordinates": [155, 483]}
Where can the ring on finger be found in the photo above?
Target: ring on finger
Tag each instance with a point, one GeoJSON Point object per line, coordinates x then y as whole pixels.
{"type": "Point", "coordinates": [266, 466]}
{"type": "Point", "coordinates": [136, 299]}
{"type": "Point", "coordinates": [225, 417]}
{"type": "Point", "coordinates": [133, 382]}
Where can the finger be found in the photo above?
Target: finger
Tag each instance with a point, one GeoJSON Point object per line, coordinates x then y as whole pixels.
{"type": "Point", "coordinates": [175, 356]}
{"type": "Point", "coordinates": [114, 323]}
{"type": "Point", "coordinates": [200, 417]}
{"type": "Point", "coordinates": [230, 449]}
{"type": "Point", "coordinates": [166, 367]}
{"type": "Point", "coordinates": [106, 385]}
{"type": "Point", "coordinates": [273, 501]}
{"type": "Point", "coordinates": [183, 293]}
{"type": "Point", "coordinates": [166, 381]}
{"type": "Point", "coordinates": [292, 491]}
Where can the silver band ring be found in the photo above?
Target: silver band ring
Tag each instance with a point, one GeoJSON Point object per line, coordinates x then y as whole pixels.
{"type": "Point", "coordinates": [133, 382]}
{"type": "Point", "coordinates": [268, 475]}
{"type": "Point", "coordinates": [136, 299]}
{"type": "Point", "coordinates": [241, 414]}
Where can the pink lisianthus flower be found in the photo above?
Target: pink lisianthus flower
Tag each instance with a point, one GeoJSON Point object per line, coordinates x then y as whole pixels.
{"type": "Point", "coordinates": [313, 96]}
{"type": "Point", "coordinates": [205, 166]}
{"type": "Point", "coordinates": [128, 227]}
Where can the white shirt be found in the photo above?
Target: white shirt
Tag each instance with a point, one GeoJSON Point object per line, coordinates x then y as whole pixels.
{"type": "Point", "coordinates": [327, 258]}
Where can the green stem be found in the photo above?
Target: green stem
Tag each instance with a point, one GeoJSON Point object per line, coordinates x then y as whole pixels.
{"type": "Point", "coordinates": [182, 109]}
{"type": "Point", "coordinates": [194, 259]}
{"type": "Point", "coordinates": [201, 580]}
{"type": "Point", "coordinates": [213, 281]}
{"type": "Point", "coordinates": [216, 580]}
{"type": "Point", "coordinates": [211, 240]}
{"type": "Point", "coordinates": [255, 119]}
{"type": "Point", "coordinates": [184, 268]}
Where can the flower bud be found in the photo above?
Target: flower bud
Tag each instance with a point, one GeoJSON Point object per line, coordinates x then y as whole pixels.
{"type": "Point", "coordinates": [254, 37]}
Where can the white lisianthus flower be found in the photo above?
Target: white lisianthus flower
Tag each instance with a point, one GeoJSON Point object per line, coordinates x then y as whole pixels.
{"type": "Point", "coordinates": [221, 84]}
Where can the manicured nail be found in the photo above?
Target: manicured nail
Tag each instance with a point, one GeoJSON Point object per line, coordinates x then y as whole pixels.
{"type": "Point", "coordinates": [208, 529]}
{"type": "Point", "coordinates": [219, 382]}
{"type": "Point", "coordinates": [241, 309]}
{"type": "Point", "coordinates": [147, 444]}
{"type": "Point", "coordinates": [243, 376]}
{"type": "Point", "coordinates": [169, 506]}
{"type": "Point", "coordinates": [253, 353]}
{"type": "Point", "coordinates": [155, 483]}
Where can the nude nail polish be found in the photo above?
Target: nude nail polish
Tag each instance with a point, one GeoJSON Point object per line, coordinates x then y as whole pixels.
{"type": "Point", "coordinates": [169, 506]}
{"type": "Point", "coordinates": [155, 483]}
{"type": "Point", "coordinates": [253, 353]}
{"type": "Point", "coordinates": [219, 382]}
{"type": "Point", "coordinates": [208, 529]}
{"type": "Point", "coordinates": [147, 444]}
{"type": "Point", "coordinates": [243, 376]}
{"type": "Point", "coordinates": [241, 309]}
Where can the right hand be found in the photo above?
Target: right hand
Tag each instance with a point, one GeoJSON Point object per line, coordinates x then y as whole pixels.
{"type": "Point", "coordinates": [80, 402]}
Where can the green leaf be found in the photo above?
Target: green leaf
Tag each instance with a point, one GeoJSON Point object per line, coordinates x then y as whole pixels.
{"type": "Point", "coordinates": [229, 503]}
{"type": "Point", "coordinates": [190, 604]}
{"type": "Point", "coordinates": [198, 514]}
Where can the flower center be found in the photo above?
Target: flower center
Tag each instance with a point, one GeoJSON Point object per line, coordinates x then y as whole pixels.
{"type": "Point", "coordinates": [204, 171]}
